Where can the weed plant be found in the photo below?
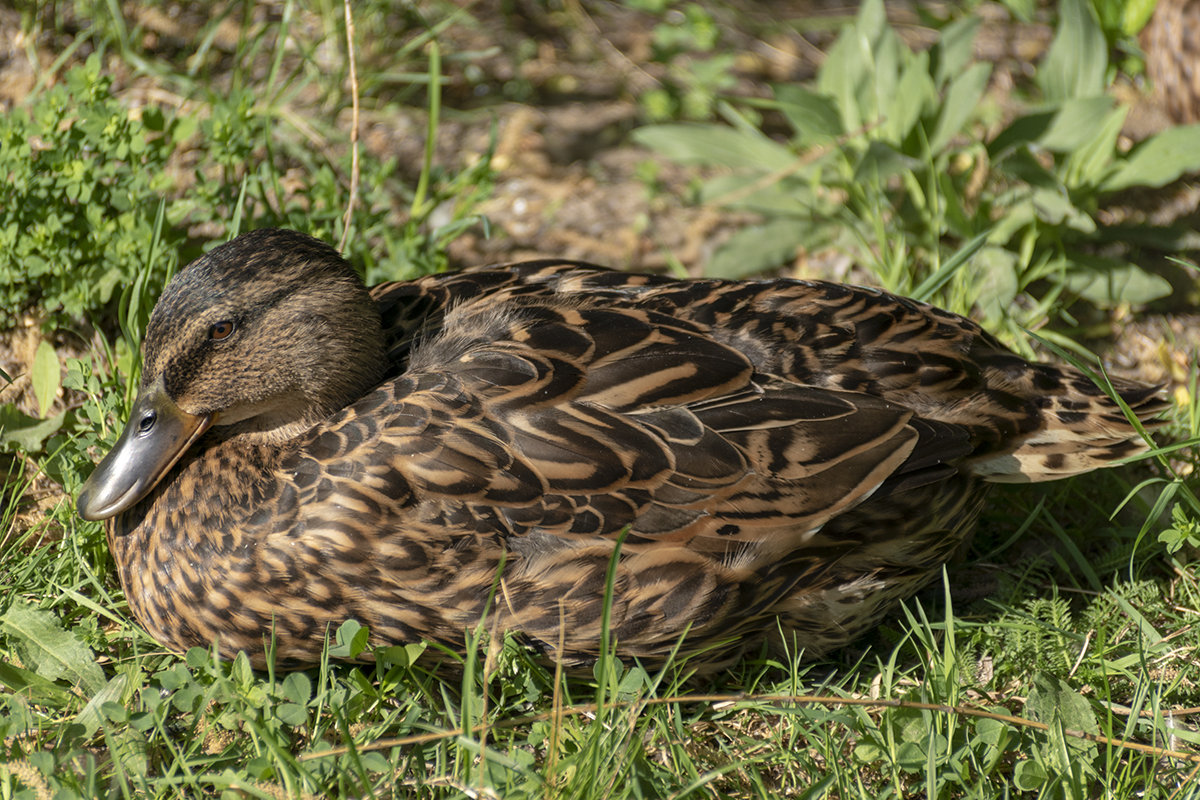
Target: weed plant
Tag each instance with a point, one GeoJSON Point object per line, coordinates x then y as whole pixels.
{"type": "Point", "coordinates": [1082, 649]}
{"type": "Point", "coordinates": [887, 161]}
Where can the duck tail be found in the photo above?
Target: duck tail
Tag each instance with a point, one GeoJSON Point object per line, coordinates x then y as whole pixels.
{"type": "Point", "coordinates": [1082, 428]}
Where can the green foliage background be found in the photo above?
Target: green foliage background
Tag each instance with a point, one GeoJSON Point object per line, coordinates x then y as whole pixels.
{"type": "Point", "coordinates": [891, 156]}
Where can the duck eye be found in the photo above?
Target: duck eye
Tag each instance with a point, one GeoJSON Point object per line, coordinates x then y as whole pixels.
{"type": "Point", "coordinates": [222, 330]}
{"type": "Point", "coordinates": [147, 422]}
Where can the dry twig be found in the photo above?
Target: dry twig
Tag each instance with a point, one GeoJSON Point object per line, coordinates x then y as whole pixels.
{"type": "Point", "coordinates": [353, 127]}
{"type": "Point", "coordinates": [798, 699]}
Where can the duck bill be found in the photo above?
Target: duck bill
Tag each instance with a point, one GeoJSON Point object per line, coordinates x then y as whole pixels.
{"type": "Point", "coordinates": [157, 435]}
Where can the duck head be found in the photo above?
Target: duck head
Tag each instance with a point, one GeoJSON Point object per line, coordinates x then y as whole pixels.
{"type": "Point", "coordinates": [261, 338]}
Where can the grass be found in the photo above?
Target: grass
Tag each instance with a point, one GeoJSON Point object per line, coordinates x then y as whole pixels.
{"type": "Point", "coordinates": [1058, 659]}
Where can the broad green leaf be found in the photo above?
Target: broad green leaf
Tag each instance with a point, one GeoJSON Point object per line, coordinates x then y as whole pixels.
{"type": "Point", "coordinates": [1055, 208]}
{"type": "Point", "coordinates": [1135, 15]}
{"type": "Point", "coordinates": [750, 193]}
{"type": "Point", "coordinates": [881, 161]}
{"type": "Point", "coordinates": [16, 716]}
{"type": "Point", "coordinates": [1020, 215]}
{"type": "Point", "coordinates": [714, 145]}
{"type": "Point", "coordinates": [992, 731]}
{"type": "Point", "coordinates": [1108, 13]}
{"type": "Point", "coordinates": [995, 270]}
{"type": "Point", "coordinates": [868, 752]}
{"type": "Point", "coordinates": [22, 432]}
{"type": "Point", "coordinates": [1021, 9]}
{"type": "Point", "coordinates": [1076, 63]}
{"type": "Point", "coordinates": [1029, 776]}
{"type": "Point", "coordinates": [90, 717]}
{"type": "Point", "coordinates": [1159, 160]}
{"type": "Point", "coordinates": [813, 116]}
{"type": "Point", "coordinates": [33, 687]}
{"type": "Point", "coordinates": [1108, 283]}
{"type": "Point", "coordinates": [298, 688]}
{"type": "Point", "coordinates": [45, 376]}
{"type": "Point", "coordinates": [375, 762]}
{"type": "Point", "coordinates": [129, 747]}
{"type": "Point", "coordinates": [871, 21]}
{"type": "Point", "coordinates": [1075, 124]}
{"type": "Point", "coordinates": [1053, 702]}
{"type": "Point", "coordinates": [397, 656]}
{"type": "Point", "coordinates": [1021, 132]}
{"type": "Point", "coordinates": [841, 75]}
{"type": "Point", "coordinates": [1088, 164]}
{"type": "Point", "coordinates": [910, 756]}
{"type": "Point", "coordinates": [906, 102]}
{"type": "Point", "coordinates": [860, 65]}
{"type": "Point", "coordinates": [954, 49]}
{"type": "Point", "coordinates": [291, 714]}
{"type": "Point", "coordinates": [351, 640]}
{"type": "Point", "coordinates": [1023, 165]}
{"type": "Point", "coordinates": [878, 93]}
{"type": "Point", "coordinates": [54, 652]}
{"type": "Point", "coordinates": [957, 219]}
{"type": "Point", "coordinates": [962, 98]}
{"type": "Point", "coordinates": [758, 248]}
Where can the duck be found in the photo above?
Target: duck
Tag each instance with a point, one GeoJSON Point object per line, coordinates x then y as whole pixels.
{"type": "Point", "coordinates": [553, 450]}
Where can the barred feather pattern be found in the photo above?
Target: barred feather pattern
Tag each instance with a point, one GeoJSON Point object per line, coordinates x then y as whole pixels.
{"type": "Point", "coordinates": [767, 455]}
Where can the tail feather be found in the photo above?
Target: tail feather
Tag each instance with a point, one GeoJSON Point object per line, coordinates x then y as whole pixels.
{"type": "Point", "coordinates": [1087, 430]}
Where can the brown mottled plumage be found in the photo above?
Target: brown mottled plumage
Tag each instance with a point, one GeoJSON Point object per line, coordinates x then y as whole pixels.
{"type": "Point", "coordinates": [777, 452]}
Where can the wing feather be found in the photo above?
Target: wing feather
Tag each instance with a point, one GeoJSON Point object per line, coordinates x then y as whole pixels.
{"type": "Point", "coordinates": [582, 422]}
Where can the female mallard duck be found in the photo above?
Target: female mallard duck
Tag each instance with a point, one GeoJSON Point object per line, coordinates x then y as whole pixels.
{"type": "Point", "coordinates": [774, 455]}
